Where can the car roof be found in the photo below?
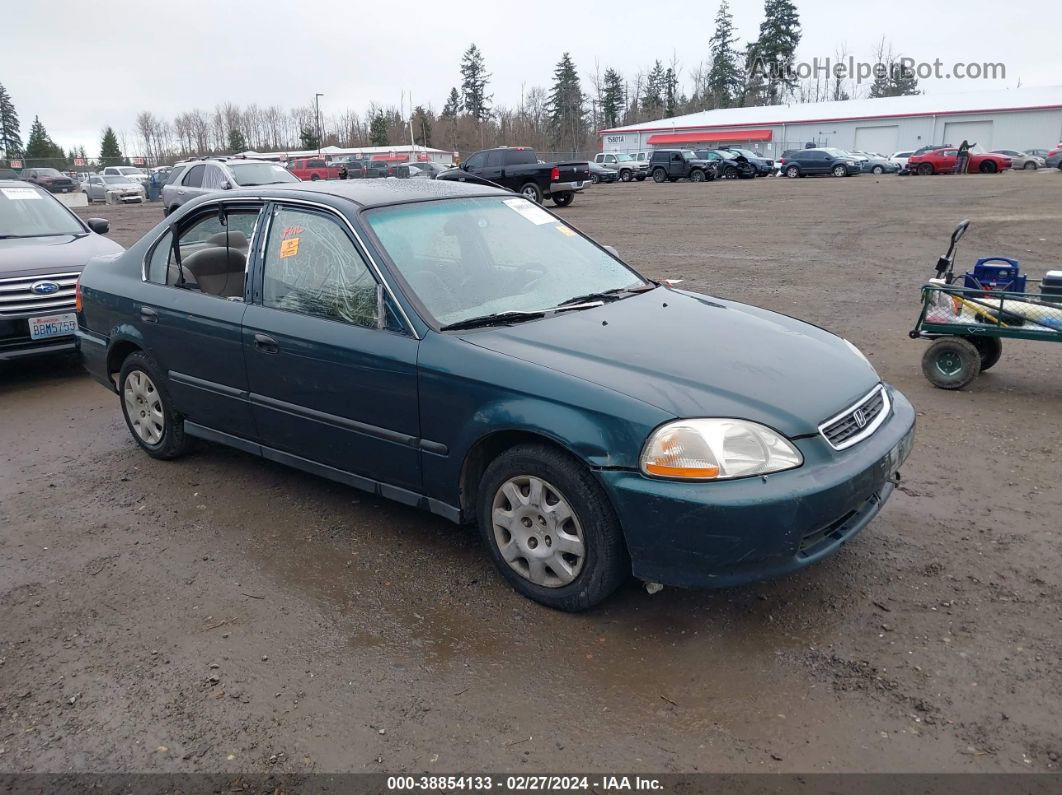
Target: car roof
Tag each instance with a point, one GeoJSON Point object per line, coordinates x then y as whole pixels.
{"type": "Point", "coordinates": [375, 193]}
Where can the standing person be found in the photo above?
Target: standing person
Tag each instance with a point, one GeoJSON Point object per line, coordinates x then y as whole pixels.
{"type": "Point", "coordinates": [964, 156]}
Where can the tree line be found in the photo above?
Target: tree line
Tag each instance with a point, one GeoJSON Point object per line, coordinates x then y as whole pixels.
{"type": "Point", "coordinates": [563, 117]}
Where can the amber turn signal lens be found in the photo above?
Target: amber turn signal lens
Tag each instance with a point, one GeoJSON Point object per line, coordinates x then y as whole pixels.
{"type": "Point", "coordinates": [77, 295]}
{"type": "Point", "coordinates": [680, 472]}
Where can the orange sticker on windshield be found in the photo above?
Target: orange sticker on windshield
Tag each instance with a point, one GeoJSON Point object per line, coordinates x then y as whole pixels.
{"type": "Point", "coordinates": [565, 230]}
{"type": "Point", "coordinates": [289, 247]}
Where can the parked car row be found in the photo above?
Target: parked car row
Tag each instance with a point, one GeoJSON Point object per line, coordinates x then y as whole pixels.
{"type": "Point", "coordinates": [519, 169]}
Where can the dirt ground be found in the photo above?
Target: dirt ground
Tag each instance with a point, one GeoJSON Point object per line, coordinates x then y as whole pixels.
{"type": "Point", "coordinates": [222, 613]}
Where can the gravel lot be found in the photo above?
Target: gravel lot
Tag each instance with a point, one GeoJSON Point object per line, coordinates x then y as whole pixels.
{"type": "Point", "coordinates": [221, 613]}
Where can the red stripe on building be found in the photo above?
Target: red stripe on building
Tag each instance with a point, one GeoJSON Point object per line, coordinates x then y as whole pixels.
{"type": "Point", "coordinates": [709, 137]}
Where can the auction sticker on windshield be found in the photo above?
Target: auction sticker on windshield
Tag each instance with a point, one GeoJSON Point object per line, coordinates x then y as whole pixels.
{"type": "Point", "coordinates": [531, 212]}
{"type": "Point", "coordinates": [52, 326]}
{"type": "Point", "coordinates": [20, 193]}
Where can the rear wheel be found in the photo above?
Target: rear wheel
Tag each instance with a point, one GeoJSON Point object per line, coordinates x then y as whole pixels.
{"type": "Point", "coordinates": [314, 178]}
{"type": "Point", "coordinates": [563, 199]}
{"type": "Point", "coordinates": [1030, 165]}
{"type": "Point", "coordinates": [925, 169]}
{"type": "Point", "coordinates": [792, 172]}
{"type": "Point", "coordinates": [989, 349]}
{"type": "Point", "coordinates": [951, 363]}
{"type": "Point", "coordinates": [659, 175]}
{"type": "Point", "coordinates": [148, 410]}
{"type": "Point", "coordinates": [550, 528]}
{"type": "Point", "coordinates": [531, 192]}
{"type": "Point", "coordinates": [988, 167]}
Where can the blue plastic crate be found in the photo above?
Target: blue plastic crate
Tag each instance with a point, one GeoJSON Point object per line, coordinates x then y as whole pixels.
{"type": "Point", "coordinates": [996, 274]}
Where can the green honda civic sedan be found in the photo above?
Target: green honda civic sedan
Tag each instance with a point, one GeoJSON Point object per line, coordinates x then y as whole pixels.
{"type": "Point", "coordinates": [458, 348]}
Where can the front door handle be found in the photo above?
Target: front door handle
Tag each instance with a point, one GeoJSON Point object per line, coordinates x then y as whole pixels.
{"type": "Point", "coordinates": [266, 344]}
{"type": "Point", "coordinates": [149, 315]}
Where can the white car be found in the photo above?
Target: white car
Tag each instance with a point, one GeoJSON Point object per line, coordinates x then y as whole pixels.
{"type": "Point", "coordinates": [113, 189]}
{"type": "Point", "coordinates": [132, 172]}
{"type": "Point", "coordinates": [900, 158]}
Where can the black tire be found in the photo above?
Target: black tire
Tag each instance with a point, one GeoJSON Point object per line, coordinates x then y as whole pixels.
{"type": "Point", "coordinates": [729, 173]}
{"type": "Point", "coordinates": [640, 178]}
{"type": "Point", "coordinates": [951, 363]}
{"type": "Point", "coordinates": [595, 179]}
{"type": "Point", "coordinates": [1030, 165]}
{"type": "Point", "coordinates": [625, 175]}
{"type": "Point", "coordinates": [792, 172]}
{"type": "Point", "coordinates": [531, 192]}
{"type": "Point", "coordinates": [696, 175]}
{"type": "Point", "coordinates": [314, 178]}
{"type": "Point", "coordinates": [840, 171]}
{"type": "Point", "coordinates": [173, 442]}
{"type": "Point", "coordinates": [563, 199]}
{"type": "Point", "coordinates": [988, 167]}
{"type": "Point", "coordinates": [989, 349]}
{"type": "Point", "coordinates": [659, 175]}
{"type": "Point", "coordinates": [605, 564]}
{"type": "Point", "coordinates": [878, 170]}
{"type": "Point", "coordinates": [925, 169]}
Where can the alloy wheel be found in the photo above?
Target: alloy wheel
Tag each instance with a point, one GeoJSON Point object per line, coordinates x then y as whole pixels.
{"type": "Point", "coordinates": [143, 406]}
{"type": "Point", "coordinates": [537, 531]}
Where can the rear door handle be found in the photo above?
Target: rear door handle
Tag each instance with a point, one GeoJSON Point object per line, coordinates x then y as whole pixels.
{"type": "Point", "coordinates": [149, 315]}
{"type": "Point", "coordinates": [266, 344]}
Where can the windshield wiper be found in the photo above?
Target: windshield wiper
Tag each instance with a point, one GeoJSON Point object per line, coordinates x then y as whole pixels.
{"type": "Point", "coordinates": [494, 319]}
{"type": "Point", "coordinates": [614, 294]}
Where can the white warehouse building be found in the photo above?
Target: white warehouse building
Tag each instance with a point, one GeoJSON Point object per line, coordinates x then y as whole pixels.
{"type": "Point", "coordinates": [1016, 118]}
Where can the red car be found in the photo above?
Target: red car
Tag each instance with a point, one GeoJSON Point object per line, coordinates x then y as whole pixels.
{"type": "Point", "coordinates": [946, 159]}
{"type": "Point", "coordinates": [313, 169]}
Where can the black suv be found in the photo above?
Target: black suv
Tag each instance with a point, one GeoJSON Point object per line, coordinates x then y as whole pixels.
{"type": "Point", "coordinates": [764, 165]}
{"type": "Point", "coordinates": [811, 162]}
{"type": "Point", "coordinates": [672, 165]}
{"type": "Point", "coordinates": [728, 165]}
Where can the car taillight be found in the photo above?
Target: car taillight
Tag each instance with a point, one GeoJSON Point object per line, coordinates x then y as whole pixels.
{"type": "Point", "coordinates": [77, 295]}
{"type": "Point", "coordinates": [554, 175]}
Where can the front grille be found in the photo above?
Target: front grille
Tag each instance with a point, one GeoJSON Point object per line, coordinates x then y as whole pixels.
{"type": "Point", "coordinates": [17, 297]}
{"type": "Point", "coordinates": [857, 422]}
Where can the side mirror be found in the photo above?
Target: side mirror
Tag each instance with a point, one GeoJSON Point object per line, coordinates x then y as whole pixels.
{"type": "Point", "coordinates": [100, 226]}
{"type": "Point", "coordinates": [226, 185]}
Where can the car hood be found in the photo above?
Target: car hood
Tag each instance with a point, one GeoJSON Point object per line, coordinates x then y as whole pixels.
{"type": "Point", "coordinates": [696, 356]}
{"type": "Point", "coordinates": [39, 256]}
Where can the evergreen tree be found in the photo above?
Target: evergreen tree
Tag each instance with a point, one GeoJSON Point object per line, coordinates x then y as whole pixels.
{"type": "Point", "coordinates": [670, 93]}
{"type": "Point", "coordinates": [776, 47]}
{"type": "Point", "coordinates": [567, 106]}
{"type": "Point", "coordinates": [308, 138]}
{"type": "Point", "coordinates": [452, 106]}
{"type": "Point", "coordinates": [724, 77]}
{"type": "Point", "coordinates": [653, 98]}
{"type": "Point", "coordinates": [378, 131]}
{"type": "Point", "coordinates": [110, 154]}
{"type": "Point", "coordinates": [237, 143]}
{"type": "Point", "coordinates": [904, 80]}
{"type": "Point", "coordinates": [474, 79]}
{"type": "Point", "coordinates": [754, 87]}
{"type": "Point", "coordinates": [10, 136]}
{"type": "Point", "coordinates": [422, 121]}
{"type": "Point", "coordinates": [612, 98]}
{"type": "Point", "coordinates": [40, 146]}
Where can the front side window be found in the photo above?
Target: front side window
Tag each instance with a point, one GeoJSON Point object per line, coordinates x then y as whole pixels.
{"type": "Point", "coordinates": [466, 258]}
{"type": "Point", "coordinates": [312, 267]}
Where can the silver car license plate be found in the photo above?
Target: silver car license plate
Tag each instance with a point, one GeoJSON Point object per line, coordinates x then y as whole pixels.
{"type": "Point", "coordinates": [52, 326]}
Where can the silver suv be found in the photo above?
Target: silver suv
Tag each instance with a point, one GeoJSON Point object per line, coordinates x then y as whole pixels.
{"type": "Point", "coordinates": [194, 178]}
{"type": "Point", "coordinates": [628, 167]}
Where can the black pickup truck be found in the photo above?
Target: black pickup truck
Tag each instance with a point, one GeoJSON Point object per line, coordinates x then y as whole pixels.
{"type": "Point", "coordinates": [518, 169]}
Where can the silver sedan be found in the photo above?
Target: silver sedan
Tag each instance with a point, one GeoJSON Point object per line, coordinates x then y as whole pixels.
{"type": "Point", "coordinates": [113, 189]}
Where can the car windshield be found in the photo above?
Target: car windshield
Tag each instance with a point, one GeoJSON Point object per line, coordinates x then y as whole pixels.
{"type": "Point", "coordinates": [28, 212]}
{"type": "Point", "coordinates": [112, 179]}
{"type": "Point", "coordinates": [47, 172]}
{"type": "Point", "coordinates": [248, 174]}
{"type": "Point", "coordinates": [623, 158]}
{"type": "Point", "coordinates": [129, 171]}
{"type": "Point", "coordinates": [689, 154]}
{"type": "Point", "coordinates": [469, 258]}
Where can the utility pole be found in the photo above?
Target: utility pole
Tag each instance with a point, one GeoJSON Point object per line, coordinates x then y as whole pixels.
{"type": "Point", "coordinates": [317, 117]}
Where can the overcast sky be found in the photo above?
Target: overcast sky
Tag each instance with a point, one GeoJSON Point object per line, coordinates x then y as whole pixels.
{"type": "Point", "coordinates": [83, 65]}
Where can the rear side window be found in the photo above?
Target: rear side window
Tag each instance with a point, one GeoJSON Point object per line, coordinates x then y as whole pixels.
{"type": "Point", "coordinates": [313, 268]}
{"type": "Point", "coordinates": [194, 177]}
{"type": "Point", "coordinates": [315, 164]}
{"type": "Point", "coordinates": [494, 158]}
{"type": "Point", "coordinates": [518, 157]}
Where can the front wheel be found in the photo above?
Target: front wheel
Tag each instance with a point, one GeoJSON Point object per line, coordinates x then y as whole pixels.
{"type": "Point", "coordinates": [625, 175]}
{"type": "Point", "coordinates": [840, 171]}
{"type": "Point", "coordinates": [878, 171]}
{"type": "Point", "coordinates": [951, 363]}
{"type": "Point", "coordinates": [148, 410]}
{"type": "Point", "coordinates": [594, 178]}
{"type": "Point", "coordinates": [925, 169]}
{"type": "Point", "coordinates": [550, 528]}
{"type": "Point", "coordinates": [659, 175]}
{"type": "Point", "coordinates": [1030, 166]}
{"type": "Point", "coordinates": [563, 199]}
{"type": "Point", "coordinates": [531, 192]}
{"type": "Point", "coordinates": [696, 175]}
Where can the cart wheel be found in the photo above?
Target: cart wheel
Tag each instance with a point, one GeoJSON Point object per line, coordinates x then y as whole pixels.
{"type": "Point", "coordinates": [951, 363]}
{"type": "Point", "coordinates": [989, 348]}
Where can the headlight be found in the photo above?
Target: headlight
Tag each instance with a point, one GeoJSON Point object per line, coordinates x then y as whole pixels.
{"type": "Point", "coordinates": [717, 449]}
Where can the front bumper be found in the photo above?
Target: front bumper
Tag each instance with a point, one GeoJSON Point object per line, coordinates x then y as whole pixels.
{"type": "Point", "coordinates": [722, 534]}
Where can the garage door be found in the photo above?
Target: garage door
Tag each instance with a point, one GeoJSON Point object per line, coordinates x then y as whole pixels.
{"type": "Point", "coordinates": [880, 140]}
{"type": "Point", "coordinates": [976, 132]}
